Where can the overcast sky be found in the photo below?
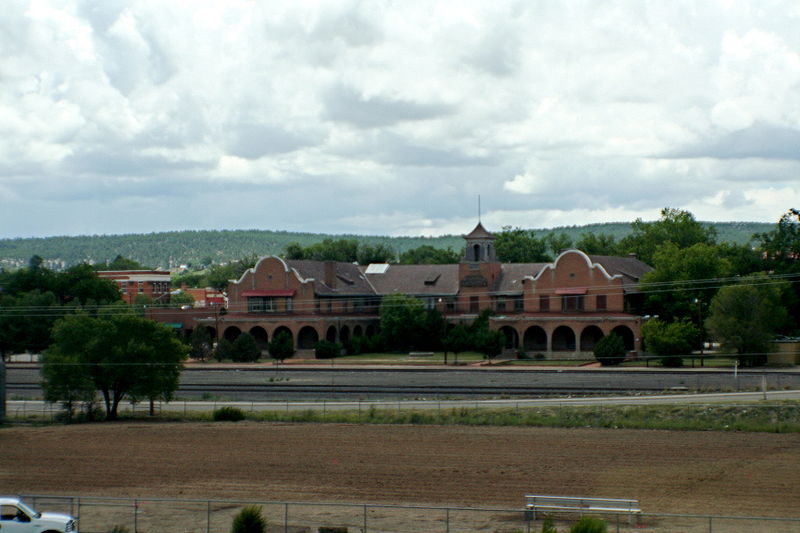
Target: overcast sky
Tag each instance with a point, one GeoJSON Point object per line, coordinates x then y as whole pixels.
{"type": "Point", "coordinates": [393, 117]}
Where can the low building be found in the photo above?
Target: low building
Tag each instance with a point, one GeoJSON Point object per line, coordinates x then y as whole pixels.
{"type": "Point", "coordinates": [559, 309]}
{"type": "Point", "coordinates": [153, 284]}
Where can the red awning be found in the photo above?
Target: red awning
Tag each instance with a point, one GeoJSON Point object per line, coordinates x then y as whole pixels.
{"type": "Point", "coordinates": [281, 293]}
{"type": "Point", "coordinates": [571, 290]}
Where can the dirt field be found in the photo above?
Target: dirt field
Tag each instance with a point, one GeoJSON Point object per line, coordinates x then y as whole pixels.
{"type": "Point", "coordinates": [669, 472]}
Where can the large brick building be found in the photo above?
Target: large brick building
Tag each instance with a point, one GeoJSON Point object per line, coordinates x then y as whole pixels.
{"type": "Point", "coordinates": [153, 284]}
{"type": "Point", "coordinates": [557, 309]}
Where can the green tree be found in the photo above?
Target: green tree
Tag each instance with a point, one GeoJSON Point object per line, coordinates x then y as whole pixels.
{"type": "Point", "coordinates": [520, 246]}
{"type": "Point", "coordinates": [219, 275]}
{"type": "Point", "coordinates": [610, 350]}
{"type": "Point", "coordinates": [123, 355]}
{"type": "Point", "coordinates": [281, 346]}
{"type": "Point", "coordinates": [557, 242]}
{"type": "Point", "coordinates": [200, 344]}
{"type": "Point", "coordinates": [457, 340]}
{"type": "Point", "coordinates": [490, 343]}
{"type": "Point", "coordinates": [428, 255]}
{"type": "Point", "coordinates": [26, 320]}
{"type": "Point", "coordinates": [377, 253]}
{"type": "Point", "coordinates": [402, 320]}
{"type": "Point", "coordinates": [675, 225]}
{"type": "Point", "coordinates": [670, 341]}
{"type": "Point", "coordinates": [181, 298]}
{"type": "Point", "coordinates": [745, 317]}
{"type": "Point", "coordinates": [121, 263]}
{"type": "Point", "coordinates": [597, 244]}
{"type": "Point", "coordinates": [65, 380]}
{"type": "Point", "coordinates": [245, 349]}
{"type": "Point", "coordinates": [780, 252]}
{"type": "Point", "coordinates": [223, 350]}
{"type": "Point", "coordinates": [680, 277]}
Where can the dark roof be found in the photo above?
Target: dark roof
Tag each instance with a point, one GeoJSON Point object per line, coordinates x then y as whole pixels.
{"type": "Point", "coordinates": [416, 280]}
{"type": "Point", "coordinates": [479, 233]}
{"type": "Point", "coordinates": [512, 274]}
{"type": "Point", "coordinates": [631, 268]}
{"type": "Point", "coordinates": [348, 278]}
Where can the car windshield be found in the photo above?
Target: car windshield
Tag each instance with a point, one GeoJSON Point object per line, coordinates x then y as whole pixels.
{"type": "Point", "coordinates": [28, 511]}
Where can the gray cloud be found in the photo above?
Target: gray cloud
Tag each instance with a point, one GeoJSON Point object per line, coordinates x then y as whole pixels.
{"type": "Point", "coordinates": [345, 104]}
{"type": "Point", "coordinates": [760, 140]}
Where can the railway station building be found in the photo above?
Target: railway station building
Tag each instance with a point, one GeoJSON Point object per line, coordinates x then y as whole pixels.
{"type": "Point", "coordinates": [559, 309]}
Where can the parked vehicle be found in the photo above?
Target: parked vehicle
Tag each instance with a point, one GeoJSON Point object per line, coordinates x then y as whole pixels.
{"type": "Point", "coordinates": [17, 517]}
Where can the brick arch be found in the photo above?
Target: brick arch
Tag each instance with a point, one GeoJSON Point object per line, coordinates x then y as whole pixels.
{"type": "Point", "coordinates": [563, 339]}
{"type": "Point", "coordinates": [260, 336]}
{"type": "Point", "coordinates": [307, 337]}
{"type": "Point", "coordinates": [511, 337]}
{"type": "Point", "coordinates": [232, 333]}
{"type": "Point", "coordinates": [627, 336]}
{"type": "Point", "coordinates": [535, 339]}
{"type": "Point", "coordinates": [330, 334]}
{"type": "Point", "coordinates": [589, 337]}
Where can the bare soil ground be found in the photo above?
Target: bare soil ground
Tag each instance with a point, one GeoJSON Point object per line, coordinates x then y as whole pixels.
{"type": "Point", "coordinates": [669, 472]}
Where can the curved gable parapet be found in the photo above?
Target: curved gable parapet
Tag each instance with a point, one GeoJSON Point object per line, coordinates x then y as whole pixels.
{"type": "Point", "coordinates": [589, 263]}
{"type": "Point", "coordinates": [255, 268]}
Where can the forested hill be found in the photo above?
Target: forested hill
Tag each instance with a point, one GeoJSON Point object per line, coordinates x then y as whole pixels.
{"type": "Point", "coordinates": [170, 249]}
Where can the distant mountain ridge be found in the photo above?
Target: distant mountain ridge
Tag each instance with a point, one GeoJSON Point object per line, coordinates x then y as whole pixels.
{"type": "Point", "coordinates": [171, 249]}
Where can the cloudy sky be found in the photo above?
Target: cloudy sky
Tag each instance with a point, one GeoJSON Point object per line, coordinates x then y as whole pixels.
{"type": "Point", "coordinates": [392, 117]}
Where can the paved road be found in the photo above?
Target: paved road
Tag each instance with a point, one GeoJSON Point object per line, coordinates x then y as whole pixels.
{"type": "Point", "coordinates": [268, 383]}
{"type": "Point", "coordinates": [20, 408]}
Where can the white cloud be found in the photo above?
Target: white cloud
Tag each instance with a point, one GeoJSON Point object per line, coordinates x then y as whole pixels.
{"type": "Point", "coordinates": [340, 112]}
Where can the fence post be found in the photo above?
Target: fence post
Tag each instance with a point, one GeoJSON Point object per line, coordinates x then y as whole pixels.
{"type": "Point", "coordinates": [709, 524]}
{"type": "Point", "coordinates": [365, 519]}
{"type": "Point", "coordinates": [135, 516]}
{"type": "Point", "coordinates": [286, 517]}
{"type": "Point", "coordinates": [447, 520]}
{"type": "Point", "coordinates": [208, 516]}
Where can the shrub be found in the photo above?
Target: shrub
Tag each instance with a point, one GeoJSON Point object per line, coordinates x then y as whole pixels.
{"type": "Point", "coordinates": [610, 350]}
{"type": "Point", "coordinates": [327, 349]}
{"type": "Point", "coordinates": [119, 529]}
{"type": "Point", "coordinates": [223, 350]}
{"type": "Point", "coordinates": [245, 349]}
{"type": "Point", "coordinates": [249, 520]}
{"type": "Point", "coordinates": [548, 526]}
{"type": "Point", "coordinates": [228, 414]}
{"type": "Point", "coordinates": [589, 524]}
{"type": "Point", "coordinates": [281, 346]}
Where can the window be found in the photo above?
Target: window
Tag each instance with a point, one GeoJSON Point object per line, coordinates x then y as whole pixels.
{"type": "Point", "coordinates": [501, 304]}
{"type": "Point", "coordinates": [544, 303]}
{"type": "Point", "coordinates": [602, 304]}
{"type": "Point", "coordinates": [261, 305]}
{"type": "Point", "coordinates": [572, 303]}
{"type": "Point", "coordinates": [450, 305]}
{"type": "Point", "coordinates": [519, 303]}
{"type": "Point", "coordinates": [289, 303]}
{"type": "Point", "coordinates": [474, 304]}
{"type": "Point", "coordinates": [141, 287]}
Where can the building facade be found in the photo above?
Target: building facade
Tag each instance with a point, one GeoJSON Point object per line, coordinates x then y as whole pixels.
{"type": "Point", "coordinates": [153, 284]}
{"type": "Point", "coordinates": [559, 309]}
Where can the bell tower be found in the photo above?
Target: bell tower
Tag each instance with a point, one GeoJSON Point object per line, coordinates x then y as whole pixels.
{"type": "Point", "coordinates": [478, 270]}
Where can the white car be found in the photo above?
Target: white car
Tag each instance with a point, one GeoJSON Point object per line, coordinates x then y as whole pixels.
{"type": "Point", "coordinates": [16, 517]}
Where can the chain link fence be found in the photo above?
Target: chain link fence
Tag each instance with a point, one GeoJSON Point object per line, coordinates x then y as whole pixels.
{"type": "Point", "coordinates": [102, 515]}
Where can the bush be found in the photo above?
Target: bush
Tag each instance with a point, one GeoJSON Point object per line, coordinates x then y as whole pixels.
{"type": "Point", "coordinates": [249, 520]}
{"type": "Point", "coordinates": [245, 349]}
{"type": "Point", "coordinates": [589, 524]}
{"type": "Point", "coordinates": [228, 414]}
{"type": "Point", "coordinates": [610, 350]}
{"type": "Point", "coordinates": [281, 346]}
{"type": "Point", "coordinates": [119, 529]}
{"type": "Point", "coordinates": [224, 350]}
{"type": "Point", "coordinates": [327, 349]}
{"type": "Point", "coordinates": [548, 526]}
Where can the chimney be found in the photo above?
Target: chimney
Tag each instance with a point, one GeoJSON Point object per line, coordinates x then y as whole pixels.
{"type": "Point", "coordinates": [330, 274]}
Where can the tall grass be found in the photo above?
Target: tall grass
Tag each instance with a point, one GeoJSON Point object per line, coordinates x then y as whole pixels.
{"type": "Point", "coordinates": [772, 418]}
